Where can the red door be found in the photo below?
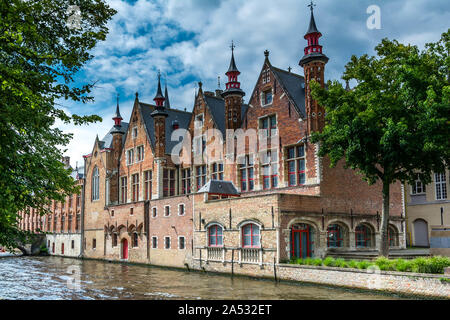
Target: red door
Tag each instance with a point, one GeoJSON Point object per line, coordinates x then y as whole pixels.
{"type": "Point", "coordinates": [124, 249]}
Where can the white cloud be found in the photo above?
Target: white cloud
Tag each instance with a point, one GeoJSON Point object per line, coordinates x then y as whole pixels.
{"type": "Point", "coordinates": [189, 41]}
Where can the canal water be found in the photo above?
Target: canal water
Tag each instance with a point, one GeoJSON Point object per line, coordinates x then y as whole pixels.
{"type": "Point", "coordinates": [62, 278]}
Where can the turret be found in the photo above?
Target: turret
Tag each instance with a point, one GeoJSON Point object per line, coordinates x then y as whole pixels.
{"type": "Point", "coordinates": [159, 117]}
{"type": "Point", "coordinates": [313, 63]}
{"type": "Point", "coordinates": [233, 95]}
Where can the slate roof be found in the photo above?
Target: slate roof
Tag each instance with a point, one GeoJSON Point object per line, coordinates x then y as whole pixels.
{"type": "Point", "coordinates": [182, 117]}
{"type": "Point", "coordinates": [217, 107]}
{"type": "Point", "coordinates": [106, 142]}
{"type": "Point", "coordinates": [77, 174]}
{"type": "Point", "coordinates": [219, 187]}
{"type": "Point", "coordinates": [294, 86]}
{"type": "Point", "coordinates": [312, 25]}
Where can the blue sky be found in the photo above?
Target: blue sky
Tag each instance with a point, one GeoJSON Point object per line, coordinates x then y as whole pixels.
{"type": "Point", "coordinates": [189, 41]}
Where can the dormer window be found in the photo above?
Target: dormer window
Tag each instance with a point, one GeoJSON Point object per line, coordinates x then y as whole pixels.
{"type": "Point", "coordinates": [130, 156]}
{"type": "Point", "coordinates": [199, 121]}
{"type": "Point", "coordinates": [267, 97]}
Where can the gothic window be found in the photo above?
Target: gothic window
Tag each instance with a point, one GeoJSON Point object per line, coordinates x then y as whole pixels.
{"type": "Point", "coordinates": [269, 125]}
{"type": "Point", "coordinates": [148, 185]}
{"type": "Point", "coordinates": [269, 167]}
{"type": "Point", "coordinates": [135, 240]}
{"type": "Point", "coordinates": [95, 184]}
{"type": "Point", "coordinates": [130, 156]}
{"type": "Point", "coordinates": [296, 165]}
{"type": "Point", "coordinates": [140, 153]}
{"type": "Point", "coordinates": [123, 189]}
{"type": "Point", "coordinates": [335, 236]}
{"type": "Point", "coordinates": [135, 187]}
{"type": "Point", "coordinates": [186, 181]}
{"type": "Point", "coordinates": [363, 235]}
{"type": "Point", "coordinates": [246, 171]}
{"type": "Point", "coordinates": [200, 176]}
{"type": "Point", "coordinates": [168, 182]}
{"type": "Point", "coordinates": [217, 171]}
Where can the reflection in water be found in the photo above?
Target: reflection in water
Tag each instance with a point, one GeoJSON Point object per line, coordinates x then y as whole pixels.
{"type": "Point", "coordinates": [62, 278]}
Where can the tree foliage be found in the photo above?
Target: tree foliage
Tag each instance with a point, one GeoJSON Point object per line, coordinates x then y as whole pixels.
{"type": "Point", "coordinates": [40, 53]}
{"type": "Point", "coordinates": [394, 125]}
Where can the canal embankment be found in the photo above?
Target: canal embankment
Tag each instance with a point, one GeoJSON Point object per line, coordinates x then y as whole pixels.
{"type": "Point", "coordinates": [404, 283]}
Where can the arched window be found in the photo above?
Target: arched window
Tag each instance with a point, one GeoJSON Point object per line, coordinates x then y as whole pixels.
{"type": "Point", "coordinates": [251, 237]}
{"type": "Point", "coordinates": [393, 236]}
{"type": "Point", "coordinates": [215, 236]}
{"type": "Point", "coordinates": [95, 184]}
{"type": "Point", "coordinates": [135, 240]}
{"type": "Point", "coordinates": [335, 236]}
{"type": "Point", "coordinates": [114, 240]}
{"type": "Point", "coordinates": [363, 236]}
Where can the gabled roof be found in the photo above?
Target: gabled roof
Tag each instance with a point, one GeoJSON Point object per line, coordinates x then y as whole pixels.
{"type": "Point", "coordinates": [294, 86]}
{"type": "Point", "coordinates": [219, 187]}
{"type": "Point", "coordinates": [182, 117]}
{"type": "Point", "coordinates": [106, 142]}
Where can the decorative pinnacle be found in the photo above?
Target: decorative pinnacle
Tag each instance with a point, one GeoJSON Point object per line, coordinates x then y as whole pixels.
{"type": "Point", "coordinates": [266, 53]}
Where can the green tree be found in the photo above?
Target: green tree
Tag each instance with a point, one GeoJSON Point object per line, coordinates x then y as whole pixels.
{"type": "Point", "coordinates": [42, 46]}
{"type": "Point", "coordinates": [394, 125]}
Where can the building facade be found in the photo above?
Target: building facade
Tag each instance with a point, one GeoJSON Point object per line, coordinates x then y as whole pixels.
{"type": "Point", "coordinates": [427, 206]}
{"type": "Point", "coordinates": [229, 184]}
{"type": "Point", "coordinates": [63, 224]}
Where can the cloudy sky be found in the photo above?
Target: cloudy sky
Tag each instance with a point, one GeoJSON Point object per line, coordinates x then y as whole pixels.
{"type": "Point", "coordinates": [189, 41]}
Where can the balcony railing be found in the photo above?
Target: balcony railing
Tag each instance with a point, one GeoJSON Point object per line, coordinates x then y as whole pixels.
{"type": "Point", "coordinates": [215, 254]}
{"type": "Point", "coordinates": [252, 255]}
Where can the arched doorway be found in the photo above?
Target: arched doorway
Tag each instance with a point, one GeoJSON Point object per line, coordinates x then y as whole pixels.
{"type": "Point", "coordinates": [302, 241]}
{"type": "Point", "coordinates": [125, 249]}
{"type": "Point", "coordinates": [421, 233]}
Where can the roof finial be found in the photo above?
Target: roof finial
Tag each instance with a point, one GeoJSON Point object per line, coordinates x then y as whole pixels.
{"type": "Point", "coordinates": [117, 117]}
{"type": "Point", "coordinates": [232, 46]}
{"type": "Point", "coordinates": [218, 82]}
{"type": "Point", "coordinates": [311, 6]}
{"type": "Point", "coordinates": [266, 53]}
{"type": "Point", "coordinates": [289, 69]}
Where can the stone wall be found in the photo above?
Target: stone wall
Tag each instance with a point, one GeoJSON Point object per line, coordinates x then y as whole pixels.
{"type": "Point", "coordinates": [423, 285]}
{"type": "Point", "coordinates": [68, 239]}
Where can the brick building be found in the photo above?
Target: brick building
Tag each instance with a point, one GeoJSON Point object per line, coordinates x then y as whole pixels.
{"type": "Point", "coordinates": [227, 184]}
{"type": "Point", "coordinates": [63, 223]}
{"type": "Point", "coordinates": [230, 181]}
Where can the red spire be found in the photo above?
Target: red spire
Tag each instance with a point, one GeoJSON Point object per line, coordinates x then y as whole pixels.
{"type": "Point", "coordinates": [233, 72]}
{"type": "Point", "coordinates": [159, 98]}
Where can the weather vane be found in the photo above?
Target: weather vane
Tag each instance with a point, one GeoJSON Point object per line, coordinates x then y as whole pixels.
{"type": "Point", "coordinates": [232, 45]}
{"type": "Point", "coordinates": [311, 5]}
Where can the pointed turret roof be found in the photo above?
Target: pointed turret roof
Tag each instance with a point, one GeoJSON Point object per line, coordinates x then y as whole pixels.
{"type": "Point", "coordinates": [232, 67]}
{"type": "Point", "coordinates": [159, 94]}
{"type": "Point", "coordinates": [166, 102]}
{"type": "Point", "coordinates": [117, 115]}
{"type": "Point", "coordinates": [312, 23]}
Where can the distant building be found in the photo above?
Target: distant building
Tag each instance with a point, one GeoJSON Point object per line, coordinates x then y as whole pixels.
{"type": "Point", "coordinates": [427, 206]}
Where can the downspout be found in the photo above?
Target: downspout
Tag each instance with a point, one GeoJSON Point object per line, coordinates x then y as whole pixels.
{"type": "Point", "coordinates": [83, 199]}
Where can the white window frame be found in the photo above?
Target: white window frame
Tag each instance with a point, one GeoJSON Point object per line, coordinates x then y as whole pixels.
{"type": "Point", "coordinates": [130, 161]}
{"type": "Point", "coordinates": [165, 210]}
{"type": "Point", "coordinates": [142, 154]}
{"type": "Point", "coordinates": [440, 185]}
{"type": "Point", "coordinates": [184, 209]}
{"type": "Point", "coordinates": [415, 187]}
{"type": "Point", "coordinates": [179, 237]}
{"type": "Point", "coordinates": [165, 243]}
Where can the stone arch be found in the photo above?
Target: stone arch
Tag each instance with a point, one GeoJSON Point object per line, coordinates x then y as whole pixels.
{"type": "Point", "coordinates": [140, 228]}
{"type": "Point", "coordinates": [337, 237]}
{"type": "Point", "coordinates": [251, 220]}
{"type": "Point", "coordinates": [214, 237]}
{"type": "Point", "coordinates": [393, 235]}
{"type": "Point", "coordinates": [303, 237]}
{"type": "Point", "coordinates": [121, 229]}
{"type": "Point", "coordinates": [131, 228]}
{"type": "Point", "coordinates": [365, 235]}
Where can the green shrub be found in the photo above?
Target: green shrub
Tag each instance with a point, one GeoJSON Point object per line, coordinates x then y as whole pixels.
{"type": "Point", "coordinates": [300, 261]}
{"type": "Point", "coordinates": [402, 265]}
{"type": "Point", "coordinates": [363, 264]}
{"type": "Point", "coordinates": [385, 264]}
{"type": "Point", "coordinates": [329, 262]}
{"type": "Point", "coordinates": [353, 264]}
{"type": "Point", "coordinates": [341, 263]}
{"type": "Point", "coordinates": [308, 261]}
{"type": "Point", "coordinates": [317, 262]}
